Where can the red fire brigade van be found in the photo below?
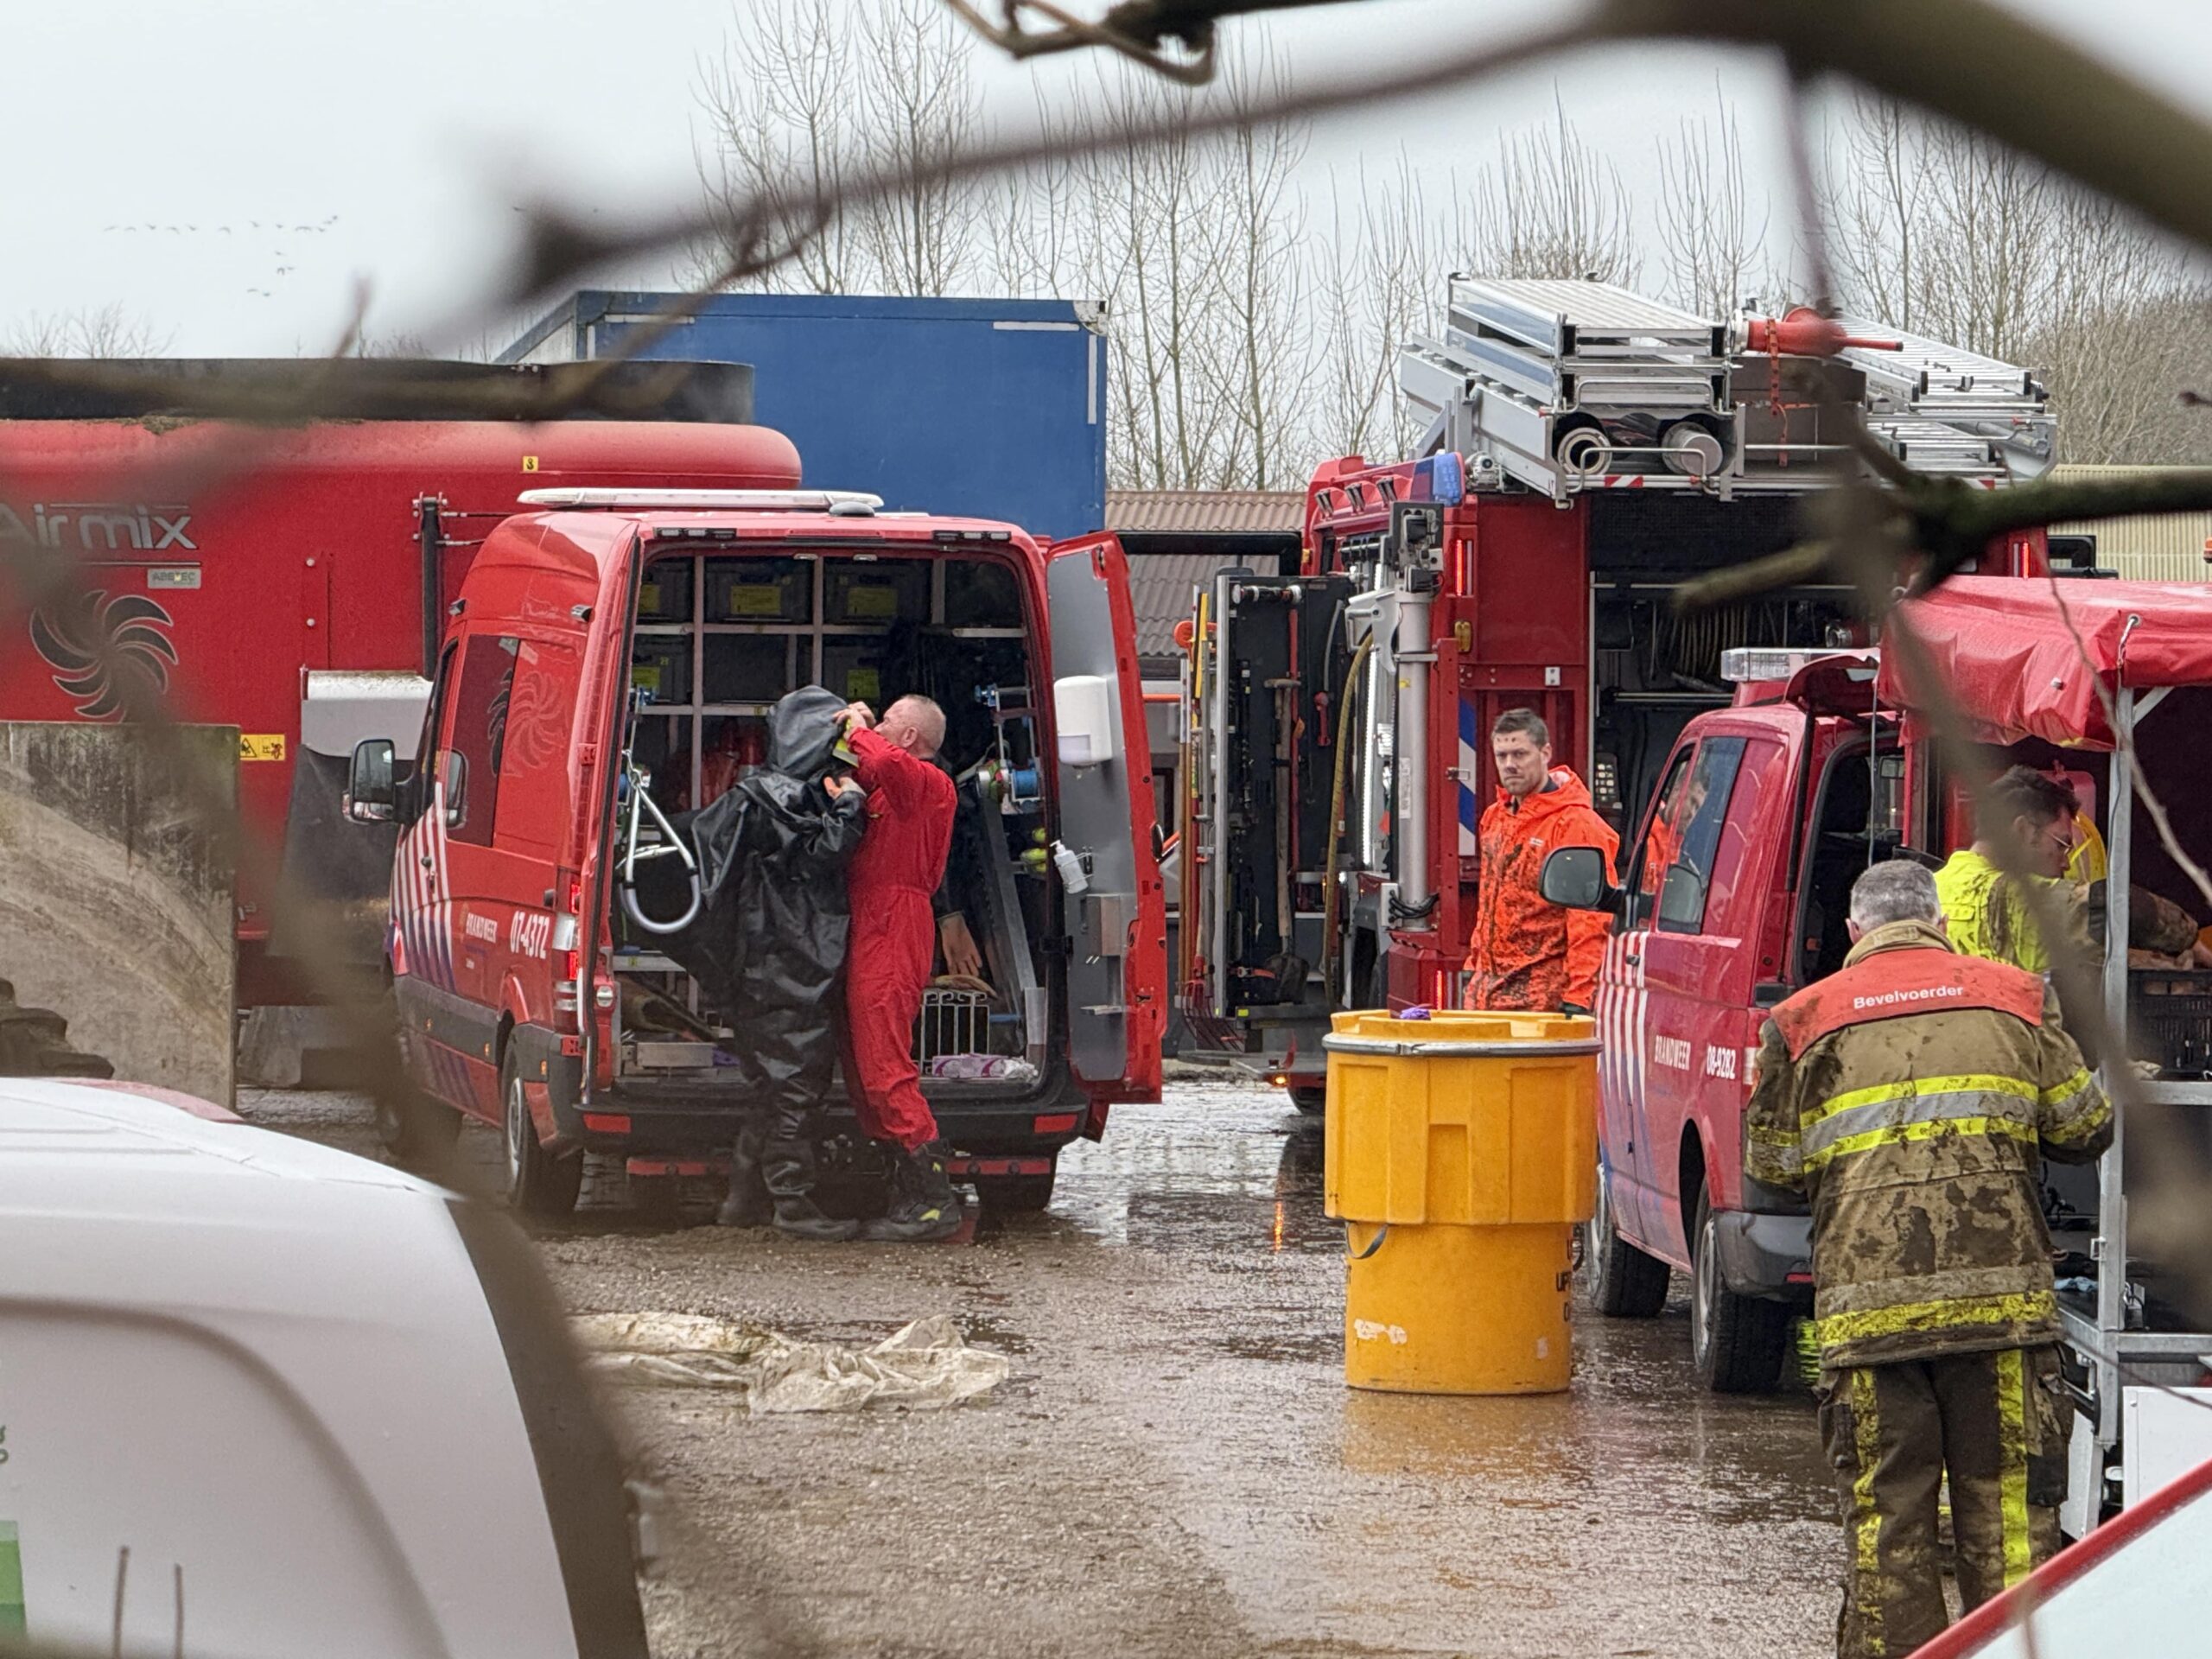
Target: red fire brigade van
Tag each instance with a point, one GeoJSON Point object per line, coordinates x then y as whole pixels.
{"type": "Point", "coordinates": [294, 581]}
{"type": "Point", "coordinates": [1732, 896]}
{"type": "Point", "coordinates": [611, 659]}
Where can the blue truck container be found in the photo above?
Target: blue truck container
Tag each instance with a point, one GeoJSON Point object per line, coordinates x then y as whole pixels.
{"type": "Point", "coordinates": [992, 408]}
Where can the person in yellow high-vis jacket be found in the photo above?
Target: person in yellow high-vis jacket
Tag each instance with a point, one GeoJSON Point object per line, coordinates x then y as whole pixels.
{"type": "Point", "coordinates": [1912, 1097]}
{"type": "Point", "coordinates": [2053, 846]}
{"type": "Point", "coordinates": [1987, 908]}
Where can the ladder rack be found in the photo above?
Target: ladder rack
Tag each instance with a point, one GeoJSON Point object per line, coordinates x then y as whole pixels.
{"type": "Point", "coordinates": [1563, 386]}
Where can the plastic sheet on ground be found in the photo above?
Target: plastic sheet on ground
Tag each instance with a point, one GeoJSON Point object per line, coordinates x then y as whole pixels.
{"type": "Point", "coordinates": [925, 1364]}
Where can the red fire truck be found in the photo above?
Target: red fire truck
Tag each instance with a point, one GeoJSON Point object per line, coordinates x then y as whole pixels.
{"type": "Point", "coordinates": [295, 581]}
{"type": "Point", "coordinates": [606, 645]}
{"type": "Point", "coordinates": [1588, 451]}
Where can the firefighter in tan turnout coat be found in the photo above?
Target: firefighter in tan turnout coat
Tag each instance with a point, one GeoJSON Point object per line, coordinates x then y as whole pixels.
{"type": "Point", "coordinates": [1909, 1096]}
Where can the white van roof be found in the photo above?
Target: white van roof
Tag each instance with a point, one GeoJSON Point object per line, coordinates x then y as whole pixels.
{"type": "Point", "coordinates": [841, 502]}
{"type": "Point", "coordinates": [263, 1373]}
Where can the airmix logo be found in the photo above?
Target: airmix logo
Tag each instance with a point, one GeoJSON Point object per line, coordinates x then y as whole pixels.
{"type": "Point", "coordinates": [92, 642]}
{"type": "Point", "coordinates": [100, 526]}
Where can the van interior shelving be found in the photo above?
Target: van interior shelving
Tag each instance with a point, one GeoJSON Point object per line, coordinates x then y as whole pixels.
{"type": "Point", "coordinates": [720, 636]}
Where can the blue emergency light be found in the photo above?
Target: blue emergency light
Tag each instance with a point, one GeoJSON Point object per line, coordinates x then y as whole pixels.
{"type": "Point", "coordinates": [1441, 477]}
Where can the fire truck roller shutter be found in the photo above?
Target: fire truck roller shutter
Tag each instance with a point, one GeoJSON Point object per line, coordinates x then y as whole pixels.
{"type": "Point", "coordinates": [347, 865]}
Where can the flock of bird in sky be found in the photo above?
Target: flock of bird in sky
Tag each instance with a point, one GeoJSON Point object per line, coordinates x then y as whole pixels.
{"type": "Point", "coordinates": [272, 228]}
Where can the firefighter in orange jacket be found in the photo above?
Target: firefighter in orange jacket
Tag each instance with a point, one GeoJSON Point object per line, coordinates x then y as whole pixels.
{"type": "Point", "coordinates": [1526, 952]}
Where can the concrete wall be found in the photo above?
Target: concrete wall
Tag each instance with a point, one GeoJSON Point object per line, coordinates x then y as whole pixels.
{"type": "Point", "coordinates": [116, 904]}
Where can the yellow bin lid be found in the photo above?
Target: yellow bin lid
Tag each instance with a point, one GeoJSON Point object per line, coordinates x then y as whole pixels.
{"type": "Point", "coordinates": [1452, 1033]}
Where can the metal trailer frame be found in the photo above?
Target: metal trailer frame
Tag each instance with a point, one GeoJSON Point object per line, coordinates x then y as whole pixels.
{"type": "Point", "coordinates": [2108, 1349]}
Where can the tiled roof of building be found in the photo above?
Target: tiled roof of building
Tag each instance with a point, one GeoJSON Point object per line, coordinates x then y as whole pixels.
{"type": "Point", "coordinates": [1162, 588]}
{"type": "Point", "coordinates": [1206, 513]}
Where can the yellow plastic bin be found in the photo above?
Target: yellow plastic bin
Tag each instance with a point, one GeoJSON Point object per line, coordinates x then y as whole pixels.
{"type": "Point", "coordinates": [1462, 1152]}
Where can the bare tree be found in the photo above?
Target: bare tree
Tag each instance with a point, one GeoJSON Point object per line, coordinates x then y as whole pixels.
{"type": "Point", "coordinates": [1712, 236]}
{"type": "Point", "coordinates": [1877, 185]}
{"type": "Point", "coordinates": [2125, 323]}
{"type": "Point", "coordinates": [1033, 230]}
{"type": "Point", "coordinates": [1379, 277]}
{"type": "Point", "coordinates": [107, 331]}
{"type": "Point", "coordinates": [1267, 362]}
{"type": "Point", "coordinates": [918, 107]}
{"type": "Point", "coordinates": [1143, 250]}
{"type": "Point", "coordinates": [803, 100]}
{"type": "Point", "coordinates": [1551, 206]}
{"type": "Point", "coordinates": [1947, 233]}
{"type": "Point", "coordinates": [779, 117]}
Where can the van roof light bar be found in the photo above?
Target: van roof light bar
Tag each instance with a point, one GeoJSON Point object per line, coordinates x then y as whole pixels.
{"type": "Point", "coordinates": [1762, 664]}
{"type": "Point", "coordinates": [842, 503]}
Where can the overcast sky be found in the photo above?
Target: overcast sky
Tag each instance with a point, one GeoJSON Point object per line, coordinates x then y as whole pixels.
{"type": "Point", "coordinates": [387, 142]}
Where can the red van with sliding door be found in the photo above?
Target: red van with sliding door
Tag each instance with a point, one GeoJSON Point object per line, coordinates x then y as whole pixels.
{"type": "Point", "coordinates": [610, 662]}
{"type": "Point", "coordinates": [1734, 895]}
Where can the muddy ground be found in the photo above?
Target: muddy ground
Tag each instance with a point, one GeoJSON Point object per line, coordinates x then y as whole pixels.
{"type": "Point", "coordinates": [1175, 1467]}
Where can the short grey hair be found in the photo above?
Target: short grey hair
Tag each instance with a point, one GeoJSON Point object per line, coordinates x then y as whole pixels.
{"type": "Point", "coordinates": [927, 717]}
{"type": "Point", "coordinates": [1898, 890]}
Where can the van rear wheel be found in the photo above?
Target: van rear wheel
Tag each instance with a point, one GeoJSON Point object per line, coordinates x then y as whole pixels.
{"type": "Point", "coordinates": [538, 1182]}
{"type": "Point", "coordinates": [1737, 1343]}
{"type": "Point", "coordinates": [1624, 1283]}
{"type": "Point", "coordinates": [1312, 1099]}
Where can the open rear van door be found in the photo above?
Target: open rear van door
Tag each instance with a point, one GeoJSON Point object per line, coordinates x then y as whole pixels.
{"type": "Point", "coordinates": [1117, 963]}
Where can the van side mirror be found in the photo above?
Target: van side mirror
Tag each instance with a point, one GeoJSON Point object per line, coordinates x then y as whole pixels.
{"type": "Point", "coordinates": [1574, 877]}
{"type": "Point", "coordinates": [372, 793]}
{"type": "Point", "coordinates": [456, 782]}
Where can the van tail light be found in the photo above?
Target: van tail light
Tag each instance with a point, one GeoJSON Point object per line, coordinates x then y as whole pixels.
{"type": "Point", "coordinates": [568, 968]}
{"type": "Point", "coordinates": [567, 957]}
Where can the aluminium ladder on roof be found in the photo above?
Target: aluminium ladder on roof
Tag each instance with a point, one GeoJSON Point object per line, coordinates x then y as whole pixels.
{"type": "Point", "coordinates": [1523, 363]}
{"type": "Point", "coordinates": [1939, 407]}
{"type": "Point", "coordinates": [1569, 385]}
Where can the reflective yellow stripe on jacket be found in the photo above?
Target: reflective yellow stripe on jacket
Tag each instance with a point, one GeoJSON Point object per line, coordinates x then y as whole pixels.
{"type": "Point", "coordinates": [2012, 1466]}
{"type": "Point", "coordinates": [1918, 1109]}
{"type": "Point", "coordinates": [1935, 1316]}
{"type": "Point", "coordinates": [2074, 1111]}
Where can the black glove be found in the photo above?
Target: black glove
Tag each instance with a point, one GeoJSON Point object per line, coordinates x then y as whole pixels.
{"type": "Point", "coordinates": [1574, 1008]}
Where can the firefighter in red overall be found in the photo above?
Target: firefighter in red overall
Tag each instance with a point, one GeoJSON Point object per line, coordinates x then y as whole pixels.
{"type": "Point", "coordinates": [1913, 1097]}
{"type": "Point", "coordinates": [1526, 952]}
{"type": "Point", "coordinates": [893, 880]}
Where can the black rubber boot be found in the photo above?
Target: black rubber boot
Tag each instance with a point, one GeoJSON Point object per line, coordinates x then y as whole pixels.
{"type": "Point", "coordinates": [802, 1218]}
{"type": "Point", "coordinates": [923, 1205]}
{"type": "Point", "coordinates": [748, 1203]}
{"type": "Point", "coordinates": [787, 1167]}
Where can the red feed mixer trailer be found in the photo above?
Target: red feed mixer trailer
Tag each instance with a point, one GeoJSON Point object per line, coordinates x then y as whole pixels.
{"type": "Point", "coordinates": [295, 581]}
{"type": "Point", "coordinates": [1589, 450]}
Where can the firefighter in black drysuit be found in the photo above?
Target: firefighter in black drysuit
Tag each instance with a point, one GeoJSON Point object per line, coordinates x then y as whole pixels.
{"type": "Point", "coordinates": [769, 946]}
